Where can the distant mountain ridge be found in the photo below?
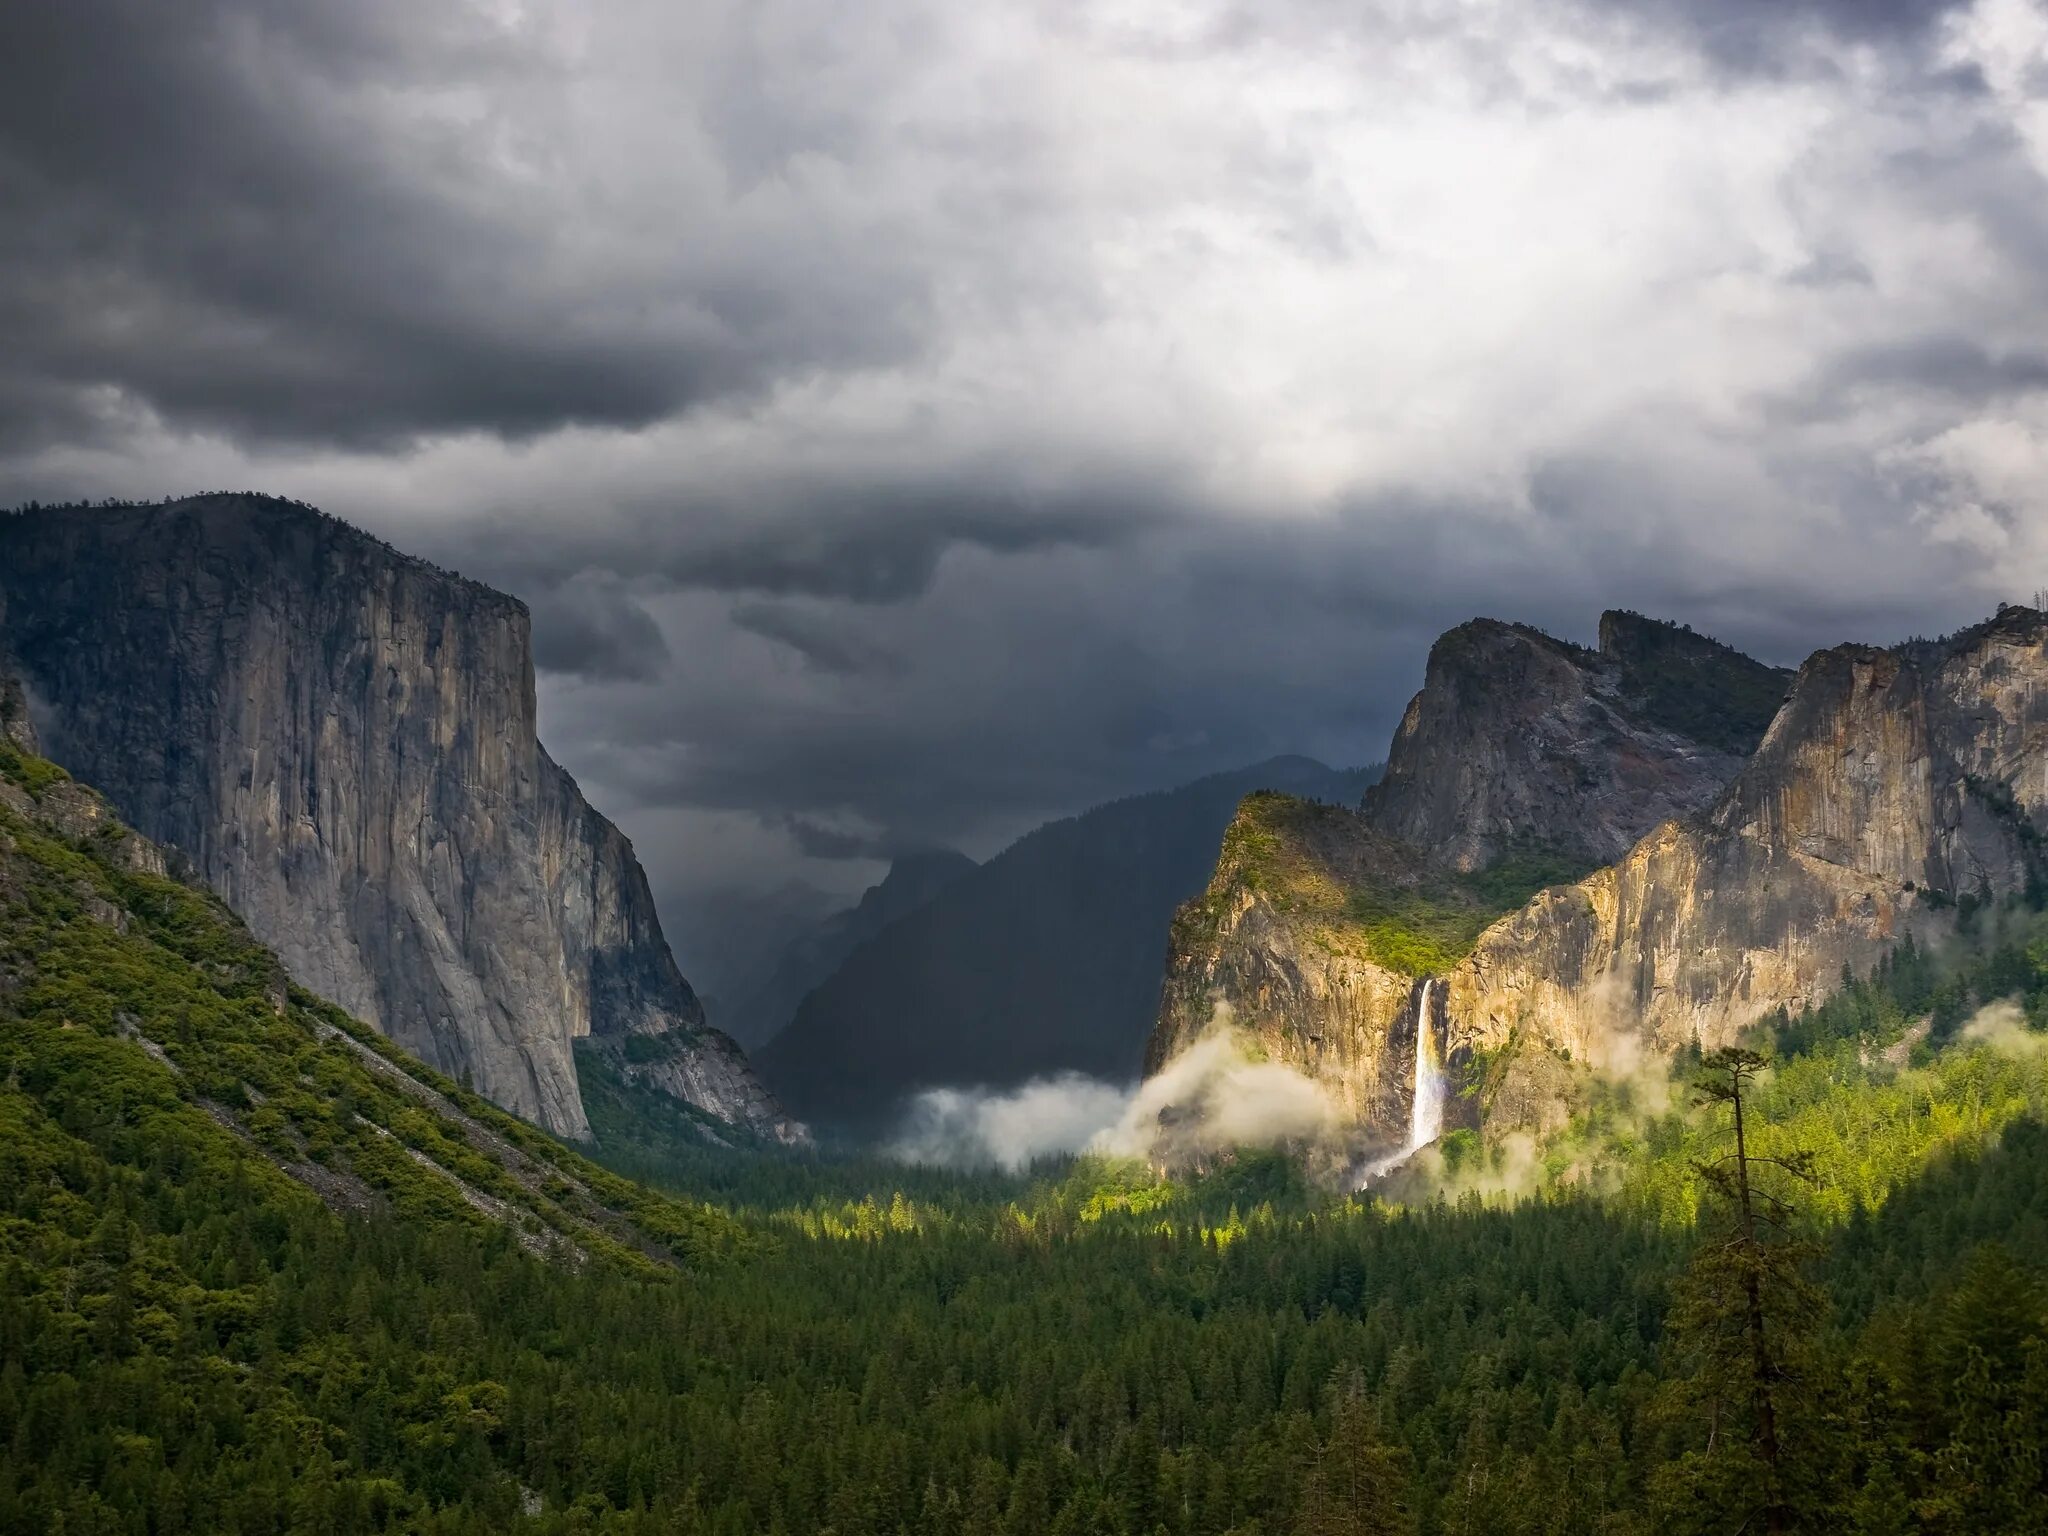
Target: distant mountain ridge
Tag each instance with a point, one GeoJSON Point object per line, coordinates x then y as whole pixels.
{"type": "Point", "coordinates": [762, 1005]}
{"type": "Point", "coordinates": [1046, 958]}
{"type": "Point", "coordinates": [342, 739]}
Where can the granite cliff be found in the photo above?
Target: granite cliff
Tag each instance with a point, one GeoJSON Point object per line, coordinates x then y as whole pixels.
{"type": "Point", "coordinates": [1896, 790]}
{"type": "Point", "coordinates": [1518, 738]}
{"type": "Point", "coordinates": [1282, 935]}
{"type": "Point", "coordinates": [1524, 763]}
{"type": "Point", "coordinates": [342, 741]}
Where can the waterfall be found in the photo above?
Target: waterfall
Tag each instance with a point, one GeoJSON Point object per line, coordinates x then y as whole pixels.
{"type": "Point", "coordinates": [1425, 1107]}
{"type": "Point", "coordinates": [1426, 1110]}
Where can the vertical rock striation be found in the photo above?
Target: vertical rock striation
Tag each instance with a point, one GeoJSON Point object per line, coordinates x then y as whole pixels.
{"type": "Point", "coordinates": [16, 728]}
{"type": "Point", "coordinates": [1519, 738]}
{"type": "Point", "coordinates": [1894, 786]}
{"type": "Point", "coordinates": [1523, 761]}
{"type": "Point", "coordinates": [342, 739]}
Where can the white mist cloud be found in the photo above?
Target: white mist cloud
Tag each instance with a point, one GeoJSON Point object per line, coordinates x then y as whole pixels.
{"type": "Point", "coordinates": [1219, 1094]}
{"type": "Point", "coordinates": [1502, 1172]}
{"type": "Point", "coordinates": [2002, 1025]}
{"type": "Point", "coordinates": [1216, 1095]}
{"type": "Point", "coordinates": [979, 1127]}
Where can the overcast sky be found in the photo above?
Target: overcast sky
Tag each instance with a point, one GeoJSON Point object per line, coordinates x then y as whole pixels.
{"type": "Point", "coordinates": [909, 419]}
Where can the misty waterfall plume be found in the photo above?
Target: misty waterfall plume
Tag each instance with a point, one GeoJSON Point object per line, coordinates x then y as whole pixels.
{"type": "Point", "coordinates": [1218, 1095]}
{"type": "Point", "coordinates": [1426, 1095]}
{"type": "Point", "coordinates": [1426, 1109]}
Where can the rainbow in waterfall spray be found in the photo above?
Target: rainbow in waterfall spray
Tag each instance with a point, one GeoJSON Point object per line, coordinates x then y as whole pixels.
{"type": "Point", "coordinates": [1426, 1095]}
{"type": "Point", "coordinates": [1426, 1109]}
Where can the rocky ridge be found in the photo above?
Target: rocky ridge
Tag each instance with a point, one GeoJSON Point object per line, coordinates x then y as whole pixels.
{"type": "Point", "coordinates": [1895, 788]}
{"type": "Point", "coordinates": [341, 739]}
{"type": "Point", "coordinates": [1524, 763]}
{"type": "Point", "coordinates": [1517, 738]}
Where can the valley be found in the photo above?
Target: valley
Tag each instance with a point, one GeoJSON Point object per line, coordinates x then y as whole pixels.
{"type": "Point", "coordinates": [897, 769]}
{"type": "Point", "coordinates": [267, 1269]}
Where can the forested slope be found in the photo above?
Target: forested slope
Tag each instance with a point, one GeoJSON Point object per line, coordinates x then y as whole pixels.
{"type": "Point", "coordinates": [260, 1273]}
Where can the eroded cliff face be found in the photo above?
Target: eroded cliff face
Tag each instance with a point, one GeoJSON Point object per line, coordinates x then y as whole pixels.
{"type": "Point", "coordinates": [1894, 785]}
{"type": "Point", "coordinates": [1275, 937]}
{"type": "Point", "coordinates": [1519, 738]}
{"type": "Point", "coordinates": [342, 740]}
{"type": "Point", "coordinates": [1524, 762]}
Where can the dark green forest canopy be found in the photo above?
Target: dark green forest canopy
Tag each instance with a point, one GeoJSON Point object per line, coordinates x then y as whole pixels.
{"type": "Point", "coordinates": [252, 1281]}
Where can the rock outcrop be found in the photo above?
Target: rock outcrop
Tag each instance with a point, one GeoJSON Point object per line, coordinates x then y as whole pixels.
{"type": "Point", "coordinates": [342, 740]}
{"type": "Point", "coordinates": [1523, 763]}
{"type": "Point", "coordinates": [1895, 788]}
{"type": "Point", "coordinates": [1277, 936]}
{"type": "Point", "coordinates": [1518, 738]}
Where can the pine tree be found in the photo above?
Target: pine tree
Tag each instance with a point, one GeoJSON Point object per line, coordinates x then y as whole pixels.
{"type": "Point", "coordinates": [1358, 1484]}
{"type": "Point", "coordinates": [1991, 1473]}
{"type": "Point", "coordinates": [1742, 1326]}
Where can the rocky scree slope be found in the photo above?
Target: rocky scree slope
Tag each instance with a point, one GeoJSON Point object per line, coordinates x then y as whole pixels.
{"type": "Point", "coordinates": [342, 740]}
{"type": "Point", "coordinates": [1524, 762]}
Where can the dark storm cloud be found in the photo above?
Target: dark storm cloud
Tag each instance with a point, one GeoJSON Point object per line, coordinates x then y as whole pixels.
{"type": "Point", "coordinates": [1779, 36]}
{"type": "Point", "coordinates": [816, 841]}
{"type": "Point", "coordinates": [824, 641]}
{"type": "Point", "coordinates": [910, 421]}
{"type": "Point", "coordinates": [591, 627]}
{"type": "Point", "coordinates": [887, 549]}
{"type": "Point", "coordinates": [1965, 367]}
{"type": "Point", "coordinates": [340, 224]}
{"type": "Point", "coordinates": [854, 536]}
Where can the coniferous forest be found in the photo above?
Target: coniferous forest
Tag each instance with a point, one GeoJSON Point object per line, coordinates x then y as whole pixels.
{"type": "Point", "coordinates": [262, 1273]}
{"type": "Point", "coordinates": [901, 768]}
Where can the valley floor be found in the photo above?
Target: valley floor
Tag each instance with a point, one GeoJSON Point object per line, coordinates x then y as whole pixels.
{"type": "Point", "coordinates": [258, 1273]}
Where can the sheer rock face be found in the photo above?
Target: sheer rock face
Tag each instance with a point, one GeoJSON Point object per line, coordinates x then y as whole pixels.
{"type": "Point", "coordinates": [1520, 738]}
{"type": "Point", "coordinates": [342, 740]}
{"type": "Point", "coordinates": [1892, 784]}
{"type": "Point", "coordinates": [1272, 940]}
{"type": "Point", "coordinates": [1517, 741]}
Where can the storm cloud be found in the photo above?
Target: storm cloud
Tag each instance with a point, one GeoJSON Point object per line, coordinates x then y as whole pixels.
{"type": "Point", "coordinates": [910, 421]}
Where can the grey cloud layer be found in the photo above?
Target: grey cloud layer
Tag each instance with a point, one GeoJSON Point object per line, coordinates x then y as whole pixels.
{"type": "Point", "coordinates": [367, 223]}
{"type": "Point", "coordinates": [909, 420]}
